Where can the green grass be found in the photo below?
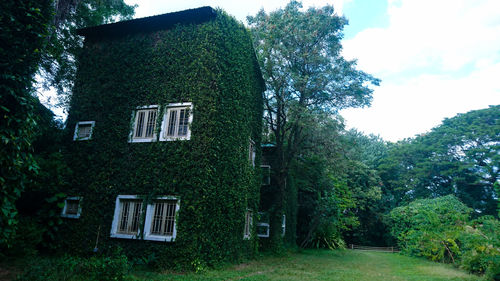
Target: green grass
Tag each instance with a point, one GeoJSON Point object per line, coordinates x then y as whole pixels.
{"type": "Point", "coordinates": [326, 265]}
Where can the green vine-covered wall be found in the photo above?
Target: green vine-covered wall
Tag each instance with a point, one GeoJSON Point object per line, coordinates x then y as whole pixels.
{"type": "Point", "coordinates": [210, 64]}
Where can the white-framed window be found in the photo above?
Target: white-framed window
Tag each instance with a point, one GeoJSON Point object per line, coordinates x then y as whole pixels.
{"type": "Point", "coordinates": [251, 153]}
{"type": "Point", "coordinates": [160, 218]}
{"type": "Point", "coordinates": [144, 124]}
{"type": "Point", "coordinates": [83, 130]}
{"type": "Point", "coordinates": [247, 232]}
{"type": "Point", "coordinates": [127, 217]}
{"type": "Point", "coordinates": [263, 229]}
{"type": "Point", "coordinates": [263, 225]}
{"type": "Point", "coordinates": [283, 225]}
{"type": "Point", "coordinates": [72, 208]}
{"type": "Point", "coordinates": [266, 174]}
{"type": "Point", "coordinates": [177, 121]}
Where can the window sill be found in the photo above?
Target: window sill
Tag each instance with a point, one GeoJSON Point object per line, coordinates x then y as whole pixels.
{"type": "Point", "coordinates": [123, 236]}
{"type": "Point", "coordinates": [159, 238]}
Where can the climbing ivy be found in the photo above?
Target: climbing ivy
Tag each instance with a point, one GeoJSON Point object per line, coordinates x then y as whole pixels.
{"type": "Point", "coordinates": [212, 65]}
{"type": "Point", "coordinates": [23, 29]}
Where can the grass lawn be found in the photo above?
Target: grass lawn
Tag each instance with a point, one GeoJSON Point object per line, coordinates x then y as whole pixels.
{"type": "Point", "coordinates": [326, 265]}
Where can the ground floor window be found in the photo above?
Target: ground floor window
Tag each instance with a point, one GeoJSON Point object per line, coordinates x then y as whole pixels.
{"type": "Point", "coordinates": [72, 208]}
{"type": "Point", "coordinates": [248, 225]}
{"type": "Point", "coordinates": [159, 219]}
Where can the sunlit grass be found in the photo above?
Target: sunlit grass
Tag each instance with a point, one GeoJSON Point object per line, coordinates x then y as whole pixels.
{"type": "Point", "coordinates": [326, 265]}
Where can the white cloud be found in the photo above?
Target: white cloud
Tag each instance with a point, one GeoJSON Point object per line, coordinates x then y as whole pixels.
{"type": "Point", "coordinates": [435, 59]}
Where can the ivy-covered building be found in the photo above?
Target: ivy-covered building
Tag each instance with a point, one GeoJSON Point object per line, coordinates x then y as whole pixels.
{"type": "Point", "coordinates": [163, 140]}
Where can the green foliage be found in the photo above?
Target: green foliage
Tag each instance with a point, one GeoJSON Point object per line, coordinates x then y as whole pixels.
{"type": "Point", "coordinates": [439, 229]}
{"type": "Point", "coordinates": [481, 246]}
{"type": "Point", "coordinates": [212, 65]}
{"type": "Point", "coordinates": [58, 65]}
{"type": "Point", "coordinates": [300, 58]}
{"type": "Point", "coordinates": [67, 267]}
{"type": "Point", "coordinates": [459, 157]}
{"type": "Point", "coordinates": [337, 191]}
{"type": "Point", "coordinates": [430, 227]}
{"type": "Point", "coordinates": [24, 26]}
{"type": "Point", "coordinates": [326, 265]}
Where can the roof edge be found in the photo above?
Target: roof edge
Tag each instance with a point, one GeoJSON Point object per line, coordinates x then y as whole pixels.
{"type": "Point", "coordinates": [148, 24]}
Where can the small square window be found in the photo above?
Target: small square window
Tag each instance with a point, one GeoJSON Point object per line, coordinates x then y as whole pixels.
{"type": "Point", "coordinates": [144, 124]}
{"type": "Point", "coordinates": [247, 233]}
{"type": "Point", "coordinates": [266, 174]}
{"type": "Point", "coordinates": [177, 121]}
{"type": "Point", "coordinates": [72, 208]}
{"type": "Point", "coordinates": [263, 229]}
{"type": "Point", "coordinates": [83, 130]}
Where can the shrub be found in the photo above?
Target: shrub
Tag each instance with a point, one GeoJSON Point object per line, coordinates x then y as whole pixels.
{"type": "Point", "coordinates": [439, 229]}
{"type": "Point", "coordinates": [28, 236]}
{"type": "Point", "coordinates": [430, 227]}
{"type": "Point", "coordinates": [481, 246]}
{"type": "Point", "coordinates": [77, 268]}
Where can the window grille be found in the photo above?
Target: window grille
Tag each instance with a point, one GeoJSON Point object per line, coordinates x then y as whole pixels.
{"type": "Point", "coordinates": [83, 130]}
{"type": "Point", "coordinates": [248, 225]}
{"type": "Point", "coordinates": [145, 123]}
{"type": "Point", "coordinates": [251, 153]}
{"type": "Point", "coordinates": [164, 218]}
{"type": "Point", "coordinates": [71, 207]}
{"type": "Point", "coordinates": [176, 122]}
{"type": "Point", "coordinates": [130, 215]}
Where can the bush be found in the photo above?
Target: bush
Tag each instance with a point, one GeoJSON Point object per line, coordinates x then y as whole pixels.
{"type": "Point", "coordinates": [439, 229]}
{"type": "Point", "coordinates": [481, 246]}
{"type": "Point", "coordinates": [430, 227]}
{"type": "Point", "coordinates": [28, 236]}
{"type": "Point", "coordinates": [77, 268]}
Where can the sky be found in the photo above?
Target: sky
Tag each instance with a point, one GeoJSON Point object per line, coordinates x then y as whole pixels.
{"type": "Point", "coordinates": [435, 58]}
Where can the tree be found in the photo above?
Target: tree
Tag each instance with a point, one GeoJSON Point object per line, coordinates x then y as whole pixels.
{"type": "Point", "coordinates": [24, 27]}
{"type": "Point", "coordinates": [62, 45]}
{"type": "Point", "coordinates": [305, 74]}
{"type": "Point", "coordinates": [458, 157]}
{"type": "Point", "coordinates": [38, 35]}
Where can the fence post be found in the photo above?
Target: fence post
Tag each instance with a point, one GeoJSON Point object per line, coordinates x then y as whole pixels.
{"type": "Point", "coordinates": [352, 246]}
{"type": "Point", "coordinates": [392, 249]}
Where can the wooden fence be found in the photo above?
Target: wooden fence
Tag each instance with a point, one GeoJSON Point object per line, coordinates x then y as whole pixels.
{"type": "Point", "coordinates": [374, 249]}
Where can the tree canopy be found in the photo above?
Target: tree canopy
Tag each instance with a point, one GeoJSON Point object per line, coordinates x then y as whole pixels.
{"type": "Point", "coordinates": [458, 157]}
{"type": "Point", "coordinates": [300, 58]}
{"type": "Point", "coordinates": [62, 45]}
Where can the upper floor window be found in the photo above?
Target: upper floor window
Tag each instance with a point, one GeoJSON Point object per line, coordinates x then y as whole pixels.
{"type": "Point", "coordinates": [144, 129]}
{"type": "Point", "coordinates": [251, 153]}
{"type": "Point", "coordinates": [83, 130]}
{"type": "Point", "coordinates": [176, 122]}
